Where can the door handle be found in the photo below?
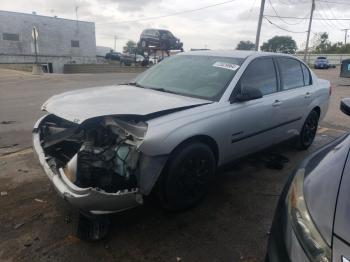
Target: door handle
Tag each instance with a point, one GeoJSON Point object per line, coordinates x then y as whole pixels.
{"type": "Point", "coordinates": [277, 103]}
{"type": "Point", "coordinates": [308, 94]}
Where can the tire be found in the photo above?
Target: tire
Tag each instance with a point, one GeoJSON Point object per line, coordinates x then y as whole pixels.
{"type": "Point", "coordinates": [308, 131]}
{"type": "Point", "coordinates": [187, 176]}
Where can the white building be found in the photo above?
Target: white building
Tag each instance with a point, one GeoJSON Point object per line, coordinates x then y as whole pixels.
{"type": "Point", "coordinates": [60, 41]}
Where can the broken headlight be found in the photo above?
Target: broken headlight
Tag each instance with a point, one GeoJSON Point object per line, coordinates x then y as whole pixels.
{"type": "Point", "coordinates": [304, 228]}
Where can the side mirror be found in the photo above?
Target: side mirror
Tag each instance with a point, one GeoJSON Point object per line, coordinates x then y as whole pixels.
{"type": "Point", "coordinates": [345, 106]}
{"type": "Point", "coordinates": [249, 93]}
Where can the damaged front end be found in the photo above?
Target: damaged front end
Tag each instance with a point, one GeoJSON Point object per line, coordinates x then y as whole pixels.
{"type": "Point", "coordinates": [94, 165]}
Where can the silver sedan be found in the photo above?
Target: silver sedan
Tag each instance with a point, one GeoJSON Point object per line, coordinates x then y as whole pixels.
{"type": "Point", "coordinates": [106, 148]}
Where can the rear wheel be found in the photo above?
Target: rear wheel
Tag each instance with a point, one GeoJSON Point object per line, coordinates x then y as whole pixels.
{"type": "Point", "coordinates": [309, 130]}
{"type": "Point", "coordinates": [187, 177]}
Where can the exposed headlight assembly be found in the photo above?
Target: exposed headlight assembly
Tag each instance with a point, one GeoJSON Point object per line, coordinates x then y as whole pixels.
{"type": "Point", "coordinates": [305, 230]}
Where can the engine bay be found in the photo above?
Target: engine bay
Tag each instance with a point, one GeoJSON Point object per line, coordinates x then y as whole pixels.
{"type": "Point", "coordinates": [101, 153]}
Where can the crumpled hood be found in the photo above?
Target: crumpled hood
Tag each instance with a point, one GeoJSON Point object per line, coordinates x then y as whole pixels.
{"type": "Point", "coordinates": [79, 105]}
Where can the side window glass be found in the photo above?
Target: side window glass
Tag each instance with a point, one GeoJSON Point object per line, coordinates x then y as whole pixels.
{"type": "Point", "coordinates": [260, 74]}
{"type": "Point", "coordinates": [291, 73]}
{"type": "Point", "coordinates": [307, 76]}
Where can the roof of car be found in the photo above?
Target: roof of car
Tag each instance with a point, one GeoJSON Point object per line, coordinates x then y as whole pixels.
{"type": "Point", "coordinates": [231, 53]}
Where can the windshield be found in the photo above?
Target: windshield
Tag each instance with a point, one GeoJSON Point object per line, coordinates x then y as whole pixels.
{"type": "Point", "coordinates": [204, 77]}
{"type": "Point", "coordinates": [167, 33]}
{"type": "Point", "coordinates": [321, 59]}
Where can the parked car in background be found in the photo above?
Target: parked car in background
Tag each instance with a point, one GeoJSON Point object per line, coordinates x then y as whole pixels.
{"type": "Point", "coordinates": [105, 149]}
{"type": "Point", "coordinates": [153, 60]}
{"type": "Point", "coordinates": [321, 62]}
{"type": "Point", "coordinates": [159, 38]}
{"type": "Point", "coordinates": [127, 59]}
{"type": "Point", "coordinates": [113, 56]}
{"type": "Point", "coordinates": [139, 58]}
{"type": "Point", "coordinates": [312, 220]}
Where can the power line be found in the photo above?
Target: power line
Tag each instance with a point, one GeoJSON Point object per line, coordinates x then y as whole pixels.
{"type": "Point", "coordinates": [325, 15]}
{"type": "Point", "coordinates": [172, 14]}
{"type": "Point", "coordinates": [333, 15]}
{"type": "Point", "coordinates": [305, 18]}
{"type": "Point", "coordinates": [284, 29]}
{"type": "Point", "coordinates": [326, 20]}
{"type": "Point", "coordinates": [333, 2]}
{"type": "Point", "coordinates": [275, 11]}
{"type": "Point", "coordinates": [284, 2]}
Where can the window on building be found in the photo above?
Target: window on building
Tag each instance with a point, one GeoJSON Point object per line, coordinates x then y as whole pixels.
{"type": "Point", "coordinates": [291, 73]}
{"type": "Point", "coordinates": [10, 37]}
{"type": "Point", "coordinates": [74, 43]}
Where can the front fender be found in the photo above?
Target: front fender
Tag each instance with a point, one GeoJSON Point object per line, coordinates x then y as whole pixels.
{"type": "Point", "coordinates": [164, 134]}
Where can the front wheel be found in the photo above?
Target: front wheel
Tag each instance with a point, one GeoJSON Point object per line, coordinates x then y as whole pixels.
{"type": "Point", "coordinates": [186, 178]}
{"type": "Point", "coordinates": [309, 130]}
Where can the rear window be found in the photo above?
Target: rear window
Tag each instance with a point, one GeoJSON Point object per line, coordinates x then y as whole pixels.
{"type": "Point", "coordinates": [291, 73]}
{"type": "Point", "coordinates": [307, 75]}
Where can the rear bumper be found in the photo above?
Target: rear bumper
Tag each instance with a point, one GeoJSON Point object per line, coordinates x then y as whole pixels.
{"type": "Point", "coordinates": [89, 199]}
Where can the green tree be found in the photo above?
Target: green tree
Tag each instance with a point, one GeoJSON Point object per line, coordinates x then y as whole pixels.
{"type": "Point", "coordinates": [129, 47]}
{"type": "Point", "coordinates": [321, 43]}
{"type": "Point", "coordinates": [245, 45]}
{"type": "Point", "coordinates": [280, 44]}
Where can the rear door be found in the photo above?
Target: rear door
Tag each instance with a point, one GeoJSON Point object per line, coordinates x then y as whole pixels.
{"type": "Point", "coordinates": [291, 104]}
{"type": "Point", "coordinates": [252, 121]}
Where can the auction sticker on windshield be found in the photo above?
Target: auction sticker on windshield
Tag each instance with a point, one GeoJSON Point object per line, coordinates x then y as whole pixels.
{"type": "Point", "coordinates": [228, 66]}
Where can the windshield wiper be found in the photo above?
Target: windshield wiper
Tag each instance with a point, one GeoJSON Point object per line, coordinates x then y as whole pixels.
{"type": "Point", "coordinates": [135, 84]}
{"type": "Point", "coordinates": [164, 90]}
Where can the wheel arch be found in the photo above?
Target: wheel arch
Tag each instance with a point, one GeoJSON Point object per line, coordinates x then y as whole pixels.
{"type": "Point", "coordinates": [205, 139]}
{"type": "Point", "coordinates": [318, 110]}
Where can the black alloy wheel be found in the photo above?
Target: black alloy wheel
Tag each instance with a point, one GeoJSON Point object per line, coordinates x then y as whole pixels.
{"type": "Point", "coordinates": [309, 130]}
{"type": "Point", "coordinates": [186, 179]}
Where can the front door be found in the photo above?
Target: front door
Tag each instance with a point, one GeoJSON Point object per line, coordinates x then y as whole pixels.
{"type": "Point", "coordinates": [252, 122]}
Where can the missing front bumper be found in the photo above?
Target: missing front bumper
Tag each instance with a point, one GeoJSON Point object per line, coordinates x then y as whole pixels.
{"type": "Point", "coordinates": [89, 199]}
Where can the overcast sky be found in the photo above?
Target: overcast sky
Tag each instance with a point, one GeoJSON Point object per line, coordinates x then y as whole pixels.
{"type": "Point", "coordinates": [218, 27]}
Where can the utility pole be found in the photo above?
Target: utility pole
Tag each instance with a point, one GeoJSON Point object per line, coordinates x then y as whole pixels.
{"type": "Point", "coordinates": [115, 42]}
{"type": "Point", "coordinates": [346, 34]}
{"type": "Point", "coordinates": [77, 19]}
{"type": "Point", "coordinates": [309, 30]}
{"type": "Point", "coordinates": [257, 39]}
{"type": "Point", "coordinates": [35, 38]}
{"type": "Point", "coordinates": [76, 13]}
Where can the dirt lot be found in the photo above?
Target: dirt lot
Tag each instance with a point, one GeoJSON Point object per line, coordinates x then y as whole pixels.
{"type": "Point", "coordinates": [232, 223]}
